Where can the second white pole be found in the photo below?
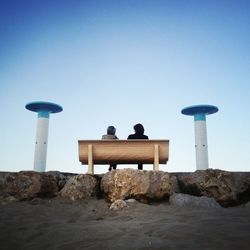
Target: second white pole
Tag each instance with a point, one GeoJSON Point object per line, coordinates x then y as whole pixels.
{"type": "Point", "coordinates": [201, 144]}
{"type": "Point", "coordinates": [41, 143]}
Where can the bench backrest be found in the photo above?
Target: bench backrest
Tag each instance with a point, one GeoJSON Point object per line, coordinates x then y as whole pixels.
{"type": "Point", "coordinates": [124, 151]}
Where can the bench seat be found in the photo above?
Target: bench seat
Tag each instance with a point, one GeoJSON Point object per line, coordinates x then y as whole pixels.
{"type": "Point", "coordinates": [123, 152]}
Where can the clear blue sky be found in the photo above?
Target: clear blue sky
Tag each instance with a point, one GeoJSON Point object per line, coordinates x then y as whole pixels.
{"type": "Point", "coordinates": [123, 62]}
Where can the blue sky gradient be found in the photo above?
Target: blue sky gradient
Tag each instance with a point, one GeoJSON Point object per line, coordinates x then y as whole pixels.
{"type": "Point", "coordinates": [123, 62]}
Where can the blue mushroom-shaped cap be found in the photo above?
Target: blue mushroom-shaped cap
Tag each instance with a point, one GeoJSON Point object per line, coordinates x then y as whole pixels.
{"type": "Point", "coordinates": [199, 109]}
{"type": "Point", "coordinates": [44, 106]}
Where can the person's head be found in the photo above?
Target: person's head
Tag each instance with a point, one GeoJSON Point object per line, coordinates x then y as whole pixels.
{"type": "Point", "coordinates": [111, 130]}
{"type": "Point", "coordinates": [139, 129]}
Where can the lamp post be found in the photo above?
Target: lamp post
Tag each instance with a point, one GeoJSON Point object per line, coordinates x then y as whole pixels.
{"type": "Point", "coordinates": [43, 109]}
{"type": "Point", "coordinates": [199, 112]}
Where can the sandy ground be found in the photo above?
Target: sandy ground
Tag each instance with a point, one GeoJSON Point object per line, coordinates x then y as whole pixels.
{"type": "Point", "coordinates": [61, 224]}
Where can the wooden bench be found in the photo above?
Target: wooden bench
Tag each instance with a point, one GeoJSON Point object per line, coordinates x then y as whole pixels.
{"type": "Point", "coordinates": [123, 152]}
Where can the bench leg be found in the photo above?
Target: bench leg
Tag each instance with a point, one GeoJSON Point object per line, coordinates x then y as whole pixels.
{"type": "Point", "coordinates": [90, 160]}
{"type": "Point", "coordinates": [156, 158]}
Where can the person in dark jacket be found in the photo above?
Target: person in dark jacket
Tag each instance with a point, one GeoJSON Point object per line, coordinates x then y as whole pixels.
{"type": "Point", "coordinates": [139, 134]}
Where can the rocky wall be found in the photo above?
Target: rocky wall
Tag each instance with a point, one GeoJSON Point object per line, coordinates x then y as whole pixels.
{"type": "Point", "coordinates": [226, 188]}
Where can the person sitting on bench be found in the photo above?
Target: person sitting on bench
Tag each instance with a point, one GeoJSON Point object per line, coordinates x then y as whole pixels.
{"type": "Point", "coordinates": [110, 136]}
{"type": "Point", "coordinates": [139, 134]}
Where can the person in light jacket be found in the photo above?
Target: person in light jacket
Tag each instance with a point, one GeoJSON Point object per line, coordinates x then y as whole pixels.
{"type": "Point", "coordinates": [111, 130]}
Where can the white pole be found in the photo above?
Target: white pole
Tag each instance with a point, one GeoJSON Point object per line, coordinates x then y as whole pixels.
{"type": "Point", "coordinates": [41, 141]}
{"type": "Point", "coordinates": [201, 142]}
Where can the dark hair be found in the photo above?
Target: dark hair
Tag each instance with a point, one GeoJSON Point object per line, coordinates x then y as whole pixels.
{"type": "Point", "coordinates": [111, 130]}
{"type": "Point", "coordinates": [139, 129]}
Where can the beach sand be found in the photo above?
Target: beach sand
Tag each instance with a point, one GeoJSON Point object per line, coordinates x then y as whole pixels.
{"type": "Point", "coordinates": [90, 224]}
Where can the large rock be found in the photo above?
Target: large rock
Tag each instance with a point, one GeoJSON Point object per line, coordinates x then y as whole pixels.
{"type": "Point", "coordinates": [61, 178]}
{"type": "Point", "coordinates": [81, 186]}
{"type": "Point", "coordinates": [184, 200]}
{"type": "Point", "coordinates": [118, 205]}
{"type": "Point", "coordinates": [27, 185]}
{"type": "Point", "coordinates": [227, 188]}
{"type": "Point", "coordinates": [144, 186]}
{"type": "Point", "coordinates": [6, 183]}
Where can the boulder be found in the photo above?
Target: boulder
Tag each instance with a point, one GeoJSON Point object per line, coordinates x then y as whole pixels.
{"type": "Point", "coordinates": [247, 205]}
{"type": "Point", "coordinates": [61, 178]}
{"type": "Point", "coordinates": [227, 188]}
{"type": "Point", "coordinates": [82, 186]}
{"type": "Point", "coordinates": [118, 205]}
{"type": "Point", "coordinates": [131, 201]}
{"type": "Point", "coordinates": [6, 183]}
{"type": "Point", "coordinates": [144, 186]}
{"type": "Point", "coordinates": [183, 200]}
{"type": "Point", "coordinates": [26, 185]}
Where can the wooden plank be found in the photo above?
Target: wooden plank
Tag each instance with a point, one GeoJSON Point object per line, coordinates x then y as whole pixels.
{"type": "Point", "coordinates": [90, 159]}
{"type": "Point", "coordinates": [156, 158]}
